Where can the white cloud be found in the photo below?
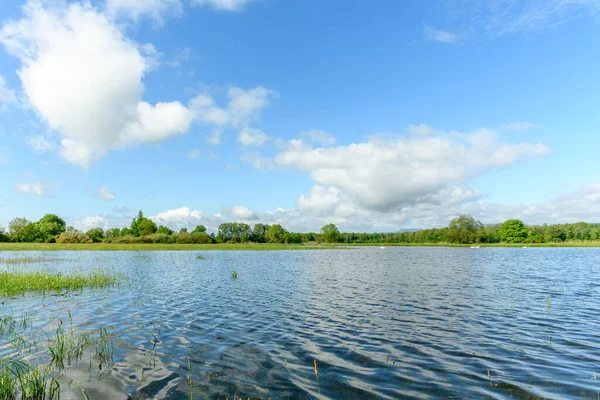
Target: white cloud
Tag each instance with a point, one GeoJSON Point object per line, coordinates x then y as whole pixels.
{"type": "Point", "coordinates": [94, 106]}
{"type": "Point", "coordinates": [7, 95]}
{"type": "Point", "coordinates": [223, 5]}
{"type": "Point", "coordinates": [105, 194]}
{"type": "Point", "coordinates": [252, 137]}
{"type": "Point", "coordinates": [91, 222]}
{"type": "Point", "coordinates": [322, 201]}
{"type": "Point", "coordinates": [40, 144]}
{"type": "Point", "coordinates": [384, 175]}
{"type": "Point", "coordinates": [435, 35]}
{"type": "Point", "coordinates": [34, 189]}
{"type": "Point", "coordinates": [318, 136]}
{"type": "Point", "coordinates": [242, 213]}
{"type": "Point", "coordinates": [244, 108]}
{"type": "Point", "coordinates": [136, 9]}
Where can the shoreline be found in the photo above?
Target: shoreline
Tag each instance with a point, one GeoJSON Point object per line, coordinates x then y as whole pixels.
{"type": "Point", "coordinates": [262, 246]}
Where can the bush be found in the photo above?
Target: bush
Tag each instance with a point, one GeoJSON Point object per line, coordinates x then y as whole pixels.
{"type": "Point", "coordinates": [73, 237]}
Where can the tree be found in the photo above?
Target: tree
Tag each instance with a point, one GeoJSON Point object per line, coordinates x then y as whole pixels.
{"type": "Point", "coordinates": [125, 232]}
{"type": "Point", "coordinates": [95, 234]}
{"type": "Point", "coordinates": [112, 233]}
{"type": "Point", "coordinates": [50, 226]}
{"type": "Point", "coordinates": [199, 229]}
{"type": "Point", "coordinates": [165, 230]}
{"type": "Point", "coordinates": [514, 231]}
{"type": "Point", "coordinates": [16, 228]}
{"type": "Point", "coordinates": [31, 233]}
{"type": "Point", "coordinates": [146, 227]}
{"type": "Point", "coordinates": [183, 230]}
{"type": "Point", "coordinates": [464, 229]}
{"type": "Point", "coordinates": [276, 234]}
{"type": "Point", "coordinates": [259, 233]}
{"type": "Point", "coordinates": [3, 235]}
{"type": "Point", "coordinates": [330, 233]}
{"type": "Point", "coordinates": [142, 226]}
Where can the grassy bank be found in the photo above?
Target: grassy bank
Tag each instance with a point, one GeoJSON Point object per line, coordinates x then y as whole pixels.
{"type": "Point", "coordinates": [594, 243]}
{"type": "Point", "coordinates": [259, 246]}
{"type": "Point", "coordinates": [155, 246]}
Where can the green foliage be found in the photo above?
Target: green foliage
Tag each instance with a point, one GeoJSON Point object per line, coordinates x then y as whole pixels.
{"type": "Point", "coordinates": [125, 232]}
{"type": "Point", "coordinates": [276, 234]}
{"type": "Point", "coordinates": [164, 230]}
{"type": "Point", "coordinates": [50, 226]}
{"type": "Point", "coordinates": [260, 233]}
{"type": "Point", "coordinates": [16, 227]}
{"type": "Point", "coordinates": [3, 235]}
{"type": "Point", "coordinates": [330, 233]}
{"type": "Point", "coordinates": [464, 229]}
{"type": "Point", "coordinates": [233, 232]}
{"type": "Point", "coordinates": [73, 237]}
{"type": "Point", "coordinates": [199, 229]}
{"type": "Point", "coordinates": [183, 230]}
{"type": "Point", "coordinates": [95, 234]}
{"type": "Point", "coordinates": [146, 227]}
{"type": "Point", "coordinates": [112, 233]}
{"type": "Point", "coordinates": [514, 231]}
{"type": "Point", "coordinates": [292, 237]}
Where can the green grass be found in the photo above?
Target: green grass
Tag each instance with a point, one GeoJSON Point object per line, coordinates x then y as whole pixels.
{"type": "Point", "coordinates": [26, 260]}
{"type": "Point", "coordinates": [13, 283]}
{"type": "Point", "coordinates": [156, 246]}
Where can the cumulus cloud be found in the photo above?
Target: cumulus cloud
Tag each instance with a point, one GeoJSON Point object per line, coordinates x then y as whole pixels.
{"type": "Point", "coordinates": [104, 193]}
{"type": "Point", "coordinates": [244, 108]}
{"type": "Point", "coordinates": [6, 95]}
{"type": "Point", "coordinates": [318, 136]}
{"type": "Point", "coordinates": [33, 189]}
{"type": "Point", "coordinates": [252, 137]}
{"type": "Point", "coordinates": [435, 35]}
{"type": "Point", "coordinates": [223, 5]}
{"type": "Point", "coordinates": [322, 201]}
{"type": "Point", "coordinates": [242, 213]}
{"type": "Point", "coordinates": [97, 105]}
{"type": "Point", "coordinates": [384, 175]}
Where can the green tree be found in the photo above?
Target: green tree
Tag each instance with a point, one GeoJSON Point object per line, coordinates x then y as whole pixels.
{"type": "Point", "coordinates": [125, 232]}
{"type": "Point", "coordinates": [514, 231]}
{"type": "Point", "coordinates": [276, 234]}
{"type": "Point", "coordinates": [259, 233]}
{"type": "Point", "coordinates": [165, 230]}
{"type": "Point", "coordinates": [95, 234]}
{"type": "Point", "coordinates": [183, 230]}
{"type": "Point", "coordinates": [146, 227]}
{"type": "Point", "coordinates": [16, 228]}
{"type": "Point", "coordinates": [31, 233]}
{"type": "Point", "coordinates": [199, 229]}
{"type": "Point", "coordinates": [464, 229]}
{"type": "Point", "coordinates": [3, 235]}
{"type": "Point", "coordinates": [50, 226]}
{"type": "Point", "coordinates": [112, 233]}
{"type": "Point", "coordinates": [330, 233]}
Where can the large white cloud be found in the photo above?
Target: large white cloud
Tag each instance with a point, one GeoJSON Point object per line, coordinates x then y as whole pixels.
{"type": "Point", "coordinates": [84, 78]}
{"type": "Point", "coordinates": [388, 174]}
{"type": "Point", "coordinates": [34, 189]}
{"type": "Point", "coordinates": [252, 137]}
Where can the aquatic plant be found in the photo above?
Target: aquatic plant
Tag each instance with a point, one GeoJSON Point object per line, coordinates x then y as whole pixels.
{"type": "Point", "coordinates": [14, 283]}
{"type": "Point", "coordinates": [200, 257]}
{"type": "Point", "coordinates": [234, 275]}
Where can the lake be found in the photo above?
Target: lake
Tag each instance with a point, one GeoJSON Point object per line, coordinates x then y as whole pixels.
{"type": "Point", "coordinates": [398, 322]}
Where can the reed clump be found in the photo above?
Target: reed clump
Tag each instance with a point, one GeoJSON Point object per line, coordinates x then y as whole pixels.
{"type": "Point", "coordinates": [13, 283]}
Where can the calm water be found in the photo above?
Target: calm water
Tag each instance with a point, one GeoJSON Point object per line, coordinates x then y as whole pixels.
{"type": "Point", "coordinates": [381, 323]}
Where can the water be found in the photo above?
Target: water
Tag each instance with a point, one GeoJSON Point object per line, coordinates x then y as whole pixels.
{"type": "Point", "coordinates": [419, 323]}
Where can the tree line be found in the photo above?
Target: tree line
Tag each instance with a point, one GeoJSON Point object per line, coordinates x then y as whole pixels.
{"type": "Point", "coordinates": [463, 230]}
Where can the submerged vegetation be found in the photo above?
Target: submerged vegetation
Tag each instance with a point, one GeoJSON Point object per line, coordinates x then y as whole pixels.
{"type": "Point", "coordinates": [14, 283]}
{"type": "Point", "coordinates": [143, 231]}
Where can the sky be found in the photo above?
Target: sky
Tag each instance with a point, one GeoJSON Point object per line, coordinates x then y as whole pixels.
{"type": "Point", "coordinates": [373, 115]}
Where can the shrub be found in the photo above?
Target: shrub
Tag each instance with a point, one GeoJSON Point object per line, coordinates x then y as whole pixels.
{"type": "Point", "coordinates": [73, 237]}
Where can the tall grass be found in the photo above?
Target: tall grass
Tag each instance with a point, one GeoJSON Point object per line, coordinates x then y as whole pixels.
{"type": "Point", "coordinates": [13, 283]}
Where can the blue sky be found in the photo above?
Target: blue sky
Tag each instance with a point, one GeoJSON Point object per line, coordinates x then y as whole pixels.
{"type": "Point", "coordinates": [376, 116]}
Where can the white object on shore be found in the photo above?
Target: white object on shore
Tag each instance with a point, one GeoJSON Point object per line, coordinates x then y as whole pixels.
{"type": "Point", "coordinates": [475, 247]}
{"type": "Point", "coordinates": [382, 247]}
